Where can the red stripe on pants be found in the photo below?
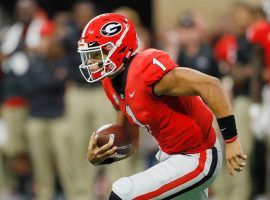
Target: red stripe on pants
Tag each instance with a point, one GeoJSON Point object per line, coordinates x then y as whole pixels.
{"type": "Point", "coordinates": [180, 181]}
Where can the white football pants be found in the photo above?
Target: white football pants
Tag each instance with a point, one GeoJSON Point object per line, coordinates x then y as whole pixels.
{"type": "Point", "coordinates": [179, 176]}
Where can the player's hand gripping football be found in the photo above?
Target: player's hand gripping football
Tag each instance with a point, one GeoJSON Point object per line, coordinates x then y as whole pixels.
{"type": "Point", "coordinates": [97, 155]}
{"type": "Point", "coordinates": [235, 157]}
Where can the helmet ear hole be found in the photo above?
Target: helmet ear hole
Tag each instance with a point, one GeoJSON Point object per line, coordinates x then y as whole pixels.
{"type": "Point", "coordinates": [128, 55]}
{"type": "Point", "coordinates": [108, 47]}
{"type": "Point", "coordinates": [105, 51]}
{"type": "Point", "coordinates": [123, 49]}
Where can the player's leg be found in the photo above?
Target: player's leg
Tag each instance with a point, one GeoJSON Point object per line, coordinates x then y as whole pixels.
{"type": "Point", "coordinates": [176, 176]}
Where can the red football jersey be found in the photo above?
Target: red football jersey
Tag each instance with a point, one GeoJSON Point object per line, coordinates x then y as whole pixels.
{"type": "Point", "coordinates": [179, 124]}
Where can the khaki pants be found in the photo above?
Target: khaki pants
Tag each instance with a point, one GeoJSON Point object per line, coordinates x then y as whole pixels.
{"type": "Point", "coordinates": [15, 121]}
{"type": "Point", "coordinates": [87, 109]}
{"type": "Point", "coordinates": [237, 187]}
{"type": "Point", "coordinates": [268, 167]}
{"type": "Point", "coordinates": [48, 142]}
{"type": "Point", "coordinates": [3, 178]}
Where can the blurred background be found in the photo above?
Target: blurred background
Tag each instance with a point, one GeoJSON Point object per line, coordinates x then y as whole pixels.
{"type": "Point", "coordinates": [48, 111]}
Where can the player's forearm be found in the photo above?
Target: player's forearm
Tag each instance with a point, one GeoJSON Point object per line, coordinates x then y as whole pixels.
{"type": "Point", "coordinates": [215, 97]}
{"type": "Point", "coordinates": [218, 101]}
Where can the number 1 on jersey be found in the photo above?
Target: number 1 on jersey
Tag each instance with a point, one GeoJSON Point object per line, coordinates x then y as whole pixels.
{"type": "Point", "coordinates": [156, 62]}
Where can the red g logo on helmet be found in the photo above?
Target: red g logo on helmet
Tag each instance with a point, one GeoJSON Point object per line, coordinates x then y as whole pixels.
{"type": "Point", "coordinates": [111, 29]}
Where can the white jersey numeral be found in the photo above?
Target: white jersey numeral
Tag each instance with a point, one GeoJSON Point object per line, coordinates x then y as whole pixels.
{"type": "Point", "coordinates": [156, 62]}
{"type": "Point", "coordinates": [130, 113]}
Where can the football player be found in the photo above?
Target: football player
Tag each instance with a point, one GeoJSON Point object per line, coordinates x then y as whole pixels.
{"type": "Point", "coordinates": [174, 104]}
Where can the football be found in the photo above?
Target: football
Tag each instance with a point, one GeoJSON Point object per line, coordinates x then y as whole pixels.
{"type": "Point", "coordinates": [118, 136]}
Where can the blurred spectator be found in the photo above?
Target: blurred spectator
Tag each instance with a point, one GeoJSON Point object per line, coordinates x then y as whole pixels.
{"type": "Point", "coordinates": [189, 22]}
{"type": "Point", "coordinates": [22, 36]}
{"type": "Point", "coordinates": [62, 29]}
{"type": "Point", "coordinates": [169, 41]}
{"type": "Point", "coordinates": [82, 12]}
{"type": "Point", "coordinates": [242, 71]}
{"type": "Point", "coordinates": [86, 106]}
{"type": "Point", "coordinates": [266, 118]}
{"type": "Point", "coordinates": [225, 50]}
{"type": "Point", "coordinates": [265, 108]}
{"type": "Point", "coordinates": [258, 34]}
{"type": "Point", "coordinates": [1, 81]}
{"type": "Point", "coordinates": [266, 8]}
{"type": "Point", "coordinates": [224, 42]}
{"type": "Point", "coordinates": [225, 53]}
{"type": "Point", "coordinates": [193, 51]}
{"type": "Point", "coordinates": [102, 185]}
{"type": "Point", "coordinates": [47, 134]}
{"type": "Point", "coordinates": [144, 38]}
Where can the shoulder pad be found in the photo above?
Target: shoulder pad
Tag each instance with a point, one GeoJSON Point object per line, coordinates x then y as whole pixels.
{"type": "Point", "coordinates": [154, 65]}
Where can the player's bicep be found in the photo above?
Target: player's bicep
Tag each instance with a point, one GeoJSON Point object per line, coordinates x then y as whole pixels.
{"type": "Point", "coordinates": [183, 82]}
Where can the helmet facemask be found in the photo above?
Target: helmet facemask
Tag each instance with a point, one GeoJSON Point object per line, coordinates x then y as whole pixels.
{"type": "Point", "coordinates": [96, 63]}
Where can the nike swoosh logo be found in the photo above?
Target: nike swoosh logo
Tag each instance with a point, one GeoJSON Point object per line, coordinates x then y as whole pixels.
{"type": "Point", "coordinates": [223, 129]}
{"type": "Point", "coordinates": [92, 44]}
{"type": "Point", "coordinates": [132, 94]}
